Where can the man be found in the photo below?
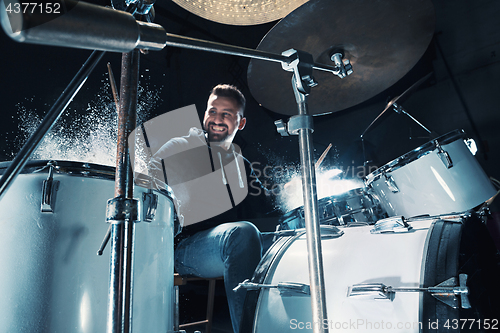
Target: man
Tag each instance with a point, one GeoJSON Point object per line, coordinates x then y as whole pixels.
{"type": "Point", "coordinates": [208, 159]}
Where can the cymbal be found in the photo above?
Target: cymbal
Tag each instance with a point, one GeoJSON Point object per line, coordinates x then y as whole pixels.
{"type": "Point", "coordinates": [240, 12]}
{"type": "Point", "coordinates": [382, 39]}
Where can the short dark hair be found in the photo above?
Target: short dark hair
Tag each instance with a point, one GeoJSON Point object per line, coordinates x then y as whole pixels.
{"type": "Point", "coordinates": [230, 91]}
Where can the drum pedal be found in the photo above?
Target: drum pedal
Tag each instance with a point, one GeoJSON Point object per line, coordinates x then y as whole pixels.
{"type": "Point", "coordinates": [285, 288]}
{"type": "Point", "coordinates": [446, 291]}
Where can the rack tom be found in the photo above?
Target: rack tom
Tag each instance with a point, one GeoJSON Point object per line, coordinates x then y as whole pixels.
{"type": "Point", "coordinates": [439, 177]}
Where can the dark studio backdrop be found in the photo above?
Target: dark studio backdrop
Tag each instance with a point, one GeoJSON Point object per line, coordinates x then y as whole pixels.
{"type": "Point", "coordinates": [465, 49]}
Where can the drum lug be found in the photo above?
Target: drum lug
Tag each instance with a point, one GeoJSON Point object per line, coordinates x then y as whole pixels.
{"type": "Point", "coordinates": [286, 289]}
{"type": "Point", "coordinates": [49, 188]}
{"type": "Point", "coordinates": [446, 291]}
{"type": "Point", "coordinates": [444, 156]}
{"type": "Point", "coordinates": [395, 224]}
{"type": "Point", "coordinates": [120, 209]}
{"type": "Point", "coordinates": [391, 183]}
{"type": "Point", "coordinates": [149, 205]}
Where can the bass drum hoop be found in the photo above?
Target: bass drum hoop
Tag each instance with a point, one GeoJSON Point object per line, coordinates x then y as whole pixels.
{"type": "Point", "coordinates": [455, 247]}
{"type": "Point", "coordinates": [269, 260]}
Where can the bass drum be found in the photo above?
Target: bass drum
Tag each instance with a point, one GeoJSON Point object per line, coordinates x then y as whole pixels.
{"type": "Point", "coordinates": [51, 278]}
{"type": "Point", "coordinates": [440, 177]}
{"type": "Point", "coordinates": [431, 252]}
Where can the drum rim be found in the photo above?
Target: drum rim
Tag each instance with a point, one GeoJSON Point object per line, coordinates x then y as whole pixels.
{"type": "Point", "coordinates": [335, 198]}
{"type": "Point", "coordinates": [415, 154]}
{"type": "Point", "coordinates": [90, 170]}
{"type": "Point", "coordinates": [436, 246]}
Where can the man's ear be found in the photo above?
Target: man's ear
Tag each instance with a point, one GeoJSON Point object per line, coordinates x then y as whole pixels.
{"type": "Point", "coordinates": [242, 124]}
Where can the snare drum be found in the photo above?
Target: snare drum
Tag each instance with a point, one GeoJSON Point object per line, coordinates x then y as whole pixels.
{"type": "Point", "coordinates": [51, 279]}
{"type": "Point", "coordinates": [358, 262]}
{"type": "Point", "coordinates": [439, 177]}
{"type": "Point", "coordinates": [354, 206]}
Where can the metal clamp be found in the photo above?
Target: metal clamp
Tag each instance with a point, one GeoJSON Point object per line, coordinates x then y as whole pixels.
{"type": "Point", "coordinates": [443, 155]}
{"type": "Point", "coordinates": [121, 209]}
{"type": "Point", "coordinates": [391, 183]}
{"type": "Point", "coordinates": [344, 65]}
{"type": "Point", "coordinates": [446, 291]}
{"type": "Point", "coordinates": [395, 224]}
{"type": "Point", "coordinates": [295, 124]}
{"type": "Point", "coordinates": [301, 64]}
{"type": "Point", "coordinates": [281, 127]}
{"type": "Point", "coordinates": [285, 288]}
{"type": "Point", "coordinates": [149, 206]}
{"type": "Point", "coordinates": [49, 188]}
{"type": "Point", "coordinates": [302, 121]}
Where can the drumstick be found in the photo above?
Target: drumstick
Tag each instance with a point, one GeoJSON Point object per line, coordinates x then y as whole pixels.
{"type": "Point", "coordinates": [117, 104]}
{"type": "Point", "coordinates": [316, 165]}
{"type": "Point", "coordinates": [322, 157]}
{"type": "Point", "coordinates": [113, 87]}
{"type": "Point", "coordinates": [490, 200]}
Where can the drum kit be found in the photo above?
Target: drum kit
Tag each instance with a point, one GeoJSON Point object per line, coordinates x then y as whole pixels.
{"type": "Point", "coordinates": [412, 213]}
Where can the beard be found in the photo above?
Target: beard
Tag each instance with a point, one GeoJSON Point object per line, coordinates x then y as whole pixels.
{"type": "Point", "coordinates": [216, 136]}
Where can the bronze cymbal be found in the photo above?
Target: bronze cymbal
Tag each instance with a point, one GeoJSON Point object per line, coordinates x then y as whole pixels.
{"type": "Point", "coordinates": [382, 39]}
{"type": "Point", "coordinates": [240, 12]}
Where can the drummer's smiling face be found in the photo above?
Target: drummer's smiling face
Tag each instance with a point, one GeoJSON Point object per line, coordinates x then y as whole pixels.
{"type": "Point", "coordinates": [223, 118]}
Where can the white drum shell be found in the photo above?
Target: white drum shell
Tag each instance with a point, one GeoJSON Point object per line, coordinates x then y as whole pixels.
{"type": "Point", "coordinates": [393, 259]}
{"type": "Point", "coordinates": [427, 186]}
{"type": "Point", "coordinates": [52, 279]}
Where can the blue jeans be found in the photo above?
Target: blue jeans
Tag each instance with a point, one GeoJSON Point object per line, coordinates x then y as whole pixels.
{"type": "Point", "coordinates": [232, 250]}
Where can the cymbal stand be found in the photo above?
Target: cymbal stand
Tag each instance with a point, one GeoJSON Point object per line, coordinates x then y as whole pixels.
{"type": "Point", "coordinates": [399, 109]}
{"type": "Point", "coordinates": [302, 82]}
{"type": "Point", "coordinates": [302, 125]}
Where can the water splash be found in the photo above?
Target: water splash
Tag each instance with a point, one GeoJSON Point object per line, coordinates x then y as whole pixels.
{"type": "Point", "coordinates": [90, 137]}
{"type": "Point", "coordinates": [331, 179]}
